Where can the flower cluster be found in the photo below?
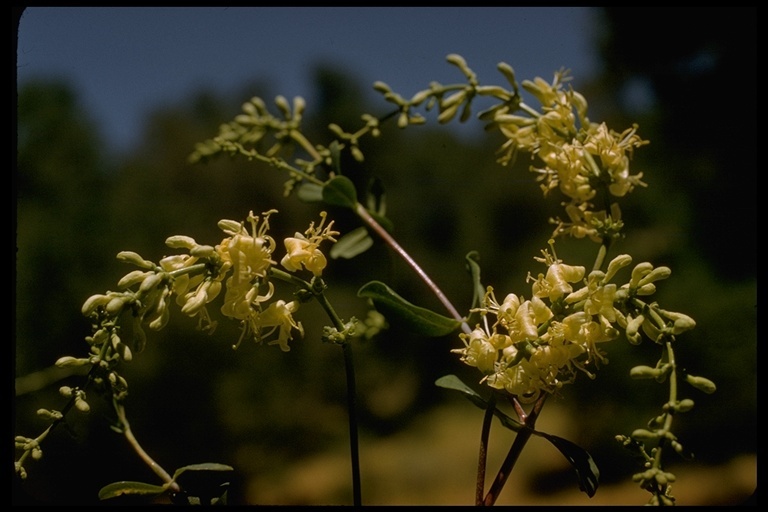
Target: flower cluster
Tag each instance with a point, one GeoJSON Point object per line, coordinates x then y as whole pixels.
{"type": "Point", "coordinates": [527, 347]}
{"type": "Point", "coordinates": [577, 156]}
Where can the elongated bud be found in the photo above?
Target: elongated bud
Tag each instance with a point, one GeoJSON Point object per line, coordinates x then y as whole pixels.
{"type": "Point", "coordinates": [616, 264]}
{"type": "Point", "coordinates": [633, 326]}
{"type": "Point", "coordinates": [150, 282]}
{"type": "Point", "coordinates": [67, 361]}
{"type": "Point", "coordinates": [701, 383]}
{"type": "Point", "coordinates": [132, 278]}
{"type": "Point", "coordinates": [456, 60]}
{"type": "Point", "coordinates": [230, 227]}
{"type": "Point", "coordinates": [135, 259]}
{"type": "Point", "coordinates": [299, 104]}
{"type": "Point", "coordinates": [655, 275]}
{"type": "Point", "coordinates": [644, 435]}
{"type": "Point", "coordinates": [453, 99]}
{"type": "Point", "coordinates": [381, 87]}
{"type": "Point", "coordinates": [180, 242]}
{"type": "Point", "coordinates": [644, 372]}
{"type": "Point", "coordinates": [640, 271]}
{"type": "Point", "coordinates": [93, 302]}
{"type": "Point", "coordinates": [509, 73]}
{"type": "Point", "coordinates": [684, 405]}
{"type": "Point", "coordinates": [202, 251]}
{"type": "Point", "coordinates": [646, 289]}
{"type": "Point", "coordinates": [115, 306]}
{"type": "Point", "coordinates": [420, 96]}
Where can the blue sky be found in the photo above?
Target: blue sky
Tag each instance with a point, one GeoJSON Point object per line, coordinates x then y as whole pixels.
{"type": "Point", "coordinates": [125, 61]}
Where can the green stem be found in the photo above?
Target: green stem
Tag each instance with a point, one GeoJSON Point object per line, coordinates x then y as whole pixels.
{"type": "Point", "coordinates": [128, 433]}
{"type": "Point", "coordinates": [317, 287]}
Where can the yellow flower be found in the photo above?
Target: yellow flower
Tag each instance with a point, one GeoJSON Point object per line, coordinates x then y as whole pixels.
{"type": "Point", "coordinates": [303, 250]}
{"type": "Point", "coordinates": [248, 253]}
{"type": "Point", "coordinates": [557, 281]}
{"type": "Point", "coordinates": [277, 317]}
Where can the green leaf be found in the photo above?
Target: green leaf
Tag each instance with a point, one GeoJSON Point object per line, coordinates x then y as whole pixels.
{"type": "Point", "coordinates": [310, 192]}
{"type": "Point", "coordinates": [473, 259]}
{"type": "Point", "coordinates": [340, 191]}
{"type": "Point", "coordinates": [353, 243]}
{"type": "Point", "coordinates": [453, 382]}
{"type": "Point", "coordinates": [116, 489]}
{"type": "Point", "coordinates": [419, 320]}
{"type": "Point", "coordinates": [205, 466]}
{"type": "Point", "coordinates": [586, 470]}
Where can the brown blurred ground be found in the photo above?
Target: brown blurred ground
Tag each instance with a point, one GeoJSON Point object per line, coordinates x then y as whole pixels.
{"type": "Point", "coordinates": [433, 463]}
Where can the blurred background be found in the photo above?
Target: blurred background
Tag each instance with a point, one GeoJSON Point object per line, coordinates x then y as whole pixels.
{"type": "Point", "coordinates": [111, 102]}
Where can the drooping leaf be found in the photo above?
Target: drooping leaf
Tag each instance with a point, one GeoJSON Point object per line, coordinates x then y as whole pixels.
{"type": "Point", "coordinates": [116, 489]}
{"type": "Point", "coordinates": [583, 465]}
{"type": "Point", "coordinates": [417, 319]}
{"type": "Point", "coordinates": [581, 461]}
{"type": "Point", "coordinates": [351, 244]}
{"type": "Point", "coordinates": [340, 191]}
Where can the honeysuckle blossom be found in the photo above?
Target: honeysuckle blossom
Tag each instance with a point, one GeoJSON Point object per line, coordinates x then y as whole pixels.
{"type": "Point", "coordinates": [303, 249]}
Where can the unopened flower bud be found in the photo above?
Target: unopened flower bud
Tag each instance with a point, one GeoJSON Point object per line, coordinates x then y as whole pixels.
{"type": "Point", "coordinates": [132, 278]}
{"type": "Point", "coordinates": [150, 282]}
{"type": "Point", "coordinates": [180, 242]}
{"type": "Point", "coordinates": [701, 383]}
{"type": "Point", "coordinates": [66, 361]}
{"type": "Point", "coordinates": [135, 259]}
{"type": "Point", "coordinates": [616, 264]}
{"type": "Point", "coordinates": [230, 227]}
{"type": "Point", "coordinates": [646, 289]}
{"type": "Point", "coordinates": [633, 326]}
{"type": "Point", "coordinates": [655, 275]}
{"type": "Point", "coordinates": [50, 415]}
{"type": "Point", "coordinates": [202, 251]}
{"type": "Point", "coordinates": [684, 405]}
{"type": "Point", "coordinates": [644, 435]}
{"type": "Point", "coordinates": [93, 302]}
{"type": "Point", "coordinates": [643, 372]}
{"type": "Point", "coordinates": [115, 306]}
{"type": "Point", "coordinates": [81, 405]}
{"type": "Point", "coordinates": [640, 271]}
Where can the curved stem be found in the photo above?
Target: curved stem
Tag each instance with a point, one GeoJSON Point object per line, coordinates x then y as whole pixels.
{"type": "Point", "coordinates": [371, 222]}
{"type": "Point", "coordinates": [128, 433]}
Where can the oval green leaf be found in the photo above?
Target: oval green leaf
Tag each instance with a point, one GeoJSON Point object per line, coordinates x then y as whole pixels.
{"type": "Point", "coordinates": [310, 192]}
{"type": "Point", "coordinates": [116, 489]}
{"type": "Point", "coordinates": [417, 319]}
{"type": "Point", "coordinates": [340, 191]}
{"type": "Point", "coordinates": [353, 243]}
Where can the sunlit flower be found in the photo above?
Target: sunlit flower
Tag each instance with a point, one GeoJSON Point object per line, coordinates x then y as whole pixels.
{"type": "Point", "coordinates": [303, 250]}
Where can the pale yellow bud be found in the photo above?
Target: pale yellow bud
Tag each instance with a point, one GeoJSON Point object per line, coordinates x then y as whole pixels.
{"type": "Point", "coordinates": [616, 264]}
{"type": "Point", "coordinates": [655, 275]}
{"type": "Point", "coordinates": [180, 242]}
{"type": "Point", "coordinates": [93, 302]}
{"type": "Point", "coordinates": [132, 278]}
{"type": "Point", "coordinates": [639, 272]}
{"type": "Point", "coordinates": [135, 259]}
{"type": "Point", "coordinates": [701, 383]}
